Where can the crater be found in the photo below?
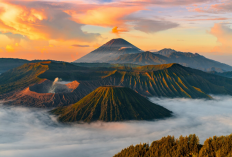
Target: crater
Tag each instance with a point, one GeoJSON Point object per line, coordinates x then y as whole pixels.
{"type": "Point", "coordinates": [56, 86]}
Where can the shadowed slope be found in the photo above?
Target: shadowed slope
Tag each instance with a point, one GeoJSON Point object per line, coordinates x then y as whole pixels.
{"type": "Point", "coordinates": [111, 104]}
{"type": "Point", "coordinates": [10, 63]}
{"type": "Point", "coordinates": [145, 58]}
{"type": "Point", "coordinates": [171, 56]}
{"type": "Point", "coordinates": [170, 80]}
{"type": "Point", "coordinates": [22, 76]}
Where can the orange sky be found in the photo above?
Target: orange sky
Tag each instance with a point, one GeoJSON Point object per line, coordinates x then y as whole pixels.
{"type": "Point", "coordinates": [68, 29]}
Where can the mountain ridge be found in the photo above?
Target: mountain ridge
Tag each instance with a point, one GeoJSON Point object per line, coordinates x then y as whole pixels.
{"type": "Point", "coordinates": [195, 61]}
{"type": "Point", "coordinates": [167, 80]}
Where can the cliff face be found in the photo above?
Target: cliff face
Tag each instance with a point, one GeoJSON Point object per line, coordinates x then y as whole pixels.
{"type": "Point", "coordinates": [37, 95]}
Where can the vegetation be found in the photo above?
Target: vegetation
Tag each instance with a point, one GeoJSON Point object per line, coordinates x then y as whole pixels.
{"type": "Point", "coordinates": [165, 80]}
{"type": "Point", "coordinates": [111, 103]}
{"type": "Point", "coordinates": [183, 147]}
{"type": "Point", "coordinates": [22, 76]}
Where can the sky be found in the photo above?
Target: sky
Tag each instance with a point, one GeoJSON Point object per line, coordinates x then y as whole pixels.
{"type": "Point", "coordinates": [69, 29]}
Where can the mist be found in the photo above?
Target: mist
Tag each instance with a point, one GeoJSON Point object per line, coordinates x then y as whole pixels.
{"type": "Point", "coordinates": [28, 132]}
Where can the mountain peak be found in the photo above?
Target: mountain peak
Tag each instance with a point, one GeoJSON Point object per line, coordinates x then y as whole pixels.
{"type": "Point", "coordinates": [111, 49]}
{"type": "Point", "coordinates": [119, 43]}
{"type": "Point", "coordinates": [112, 103]}
{"type": "Point", "coordinates": [166, 51]}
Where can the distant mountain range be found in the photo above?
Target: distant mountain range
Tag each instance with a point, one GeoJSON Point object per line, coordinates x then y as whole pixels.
{"type": "Point", "coordinates": [121, 51]}
{"type": "Point", "coordinates": [224, 74]}
{"type": "Point", "coordinates": [27, 85]}
{"type": "Point", "coordinates": [10, 63]}
{"type": "Point", "coordinates": [111, 103]}
{"type": "Point", "coordinates": [166, 56]}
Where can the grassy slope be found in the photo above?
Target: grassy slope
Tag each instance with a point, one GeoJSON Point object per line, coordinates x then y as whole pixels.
{"type": "Point", "coordinates": [167, 80]}
{"type": "Point", "coordinates": [111, 104]}
{"type": "Point", "coordinates": [170, 80]}
{"type": "Point", "coordinates": [22, 76]}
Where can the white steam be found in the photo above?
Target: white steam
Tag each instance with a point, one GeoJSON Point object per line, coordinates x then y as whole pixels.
{"type": "Point", "coordinates": [34, 133]}
{"type": "Point", "coordinates": [53, 87]}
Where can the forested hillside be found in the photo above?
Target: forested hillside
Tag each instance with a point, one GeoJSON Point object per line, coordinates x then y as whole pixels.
{"type": "Point", "coordinates": [188, 146]}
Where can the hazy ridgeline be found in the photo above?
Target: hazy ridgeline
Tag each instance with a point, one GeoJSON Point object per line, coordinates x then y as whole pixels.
{"type": "Point", "coordinates": [34, 133]}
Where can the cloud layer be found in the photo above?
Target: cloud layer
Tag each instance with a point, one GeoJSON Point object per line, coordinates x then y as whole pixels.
{"type": "Point", "coordinates": [34, 133]}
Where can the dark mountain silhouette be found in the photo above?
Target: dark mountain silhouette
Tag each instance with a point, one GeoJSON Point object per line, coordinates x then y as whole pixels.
{"type": "Point", "coordinates": [111, 49]}
{"type": "Point", "coordinates": [110, 103]}
{"type": "Point", "coordinates": [224, 74]}
{"type": "Point", "coordinates": [165, 56]}
{"type": "Point", "coordinates": [10, 63]}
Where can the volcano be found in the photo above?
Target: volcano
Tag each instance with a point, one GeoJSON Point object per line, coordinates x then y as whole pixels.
{"type": "Point", "coordinates": [111, 103]}
{"type": "Point", "coordinates": [109, 51]}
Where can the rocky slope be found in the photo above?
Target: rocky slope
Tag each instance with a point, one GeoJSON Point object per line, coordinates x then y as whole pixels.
{"type": "Point", "coordinates": [111, 103]}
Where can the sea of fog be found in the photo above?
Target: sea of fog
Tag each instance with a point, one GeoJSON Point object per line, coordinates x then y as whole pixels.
{"type": "Point", "coordinates": [34, 133]}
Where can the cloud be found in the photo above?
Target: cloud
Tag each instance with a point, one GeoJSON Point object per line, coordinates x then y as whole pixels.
{"type": "Point", "coordinates": [152, 26]}
{"type": "Point", "coordinates": [209, 19]}
{"type": "Point", "coordinates": [118, 31]}
{"type": "Point", "coordinates": [33, 132]}
{"type": "Point", "coordinates": [76, 45]}
{"type": "Point", "coordinates": [9, 48]}
{"type": "Point", "coordinates": [107, 16]}
{"type": "Point", "coordinates": [222, 7]}
{"type": "Point", "coordinates": [223, 33]}
{"type": "Point", "coordinates": [42, 21]}
{"type": "Point", "coordinates": [167, 2]}
{"type": "Point", "coordinates": [15, 37]}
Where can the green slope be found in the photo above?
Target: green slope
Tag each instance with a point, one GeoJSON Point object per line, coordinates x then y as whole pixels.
{"type": "Point", "coordinates": [111, 103]}
{"type": "Point", "coordinates": [171, 80]}
{"type": "Point", "coordinates": [166, 80]}
{"type": "Point", "coordinates": [22, 76]}
{"type": "Point", "coordinates": [31, 73]}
